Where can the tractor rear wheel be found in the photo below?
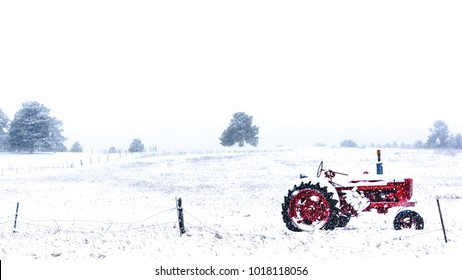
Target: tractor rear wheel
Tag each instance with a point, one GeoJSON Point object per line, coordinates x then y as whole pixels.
{"type": "Point", "coordinates": [308, 207]}
{"type": "Point", "coordinates": [408, 219]}
{"type": "Point", "coordinates": [343, 220]}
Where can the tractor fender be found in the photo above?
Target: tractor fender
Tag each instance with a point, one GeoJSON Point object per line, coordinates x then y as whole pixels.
{"type": "Point", "coordinates": [323, 183]}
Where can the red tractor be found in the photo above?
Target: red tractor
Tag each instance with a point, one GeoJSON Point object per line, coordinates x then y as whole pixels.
{"type": "Point", "coordinates": [327, 204]}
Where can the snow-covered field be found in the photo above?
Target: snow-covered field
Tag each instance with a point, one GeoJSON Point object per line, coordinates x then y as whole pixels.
{"type": "Point", "coordinates": [115, 217]}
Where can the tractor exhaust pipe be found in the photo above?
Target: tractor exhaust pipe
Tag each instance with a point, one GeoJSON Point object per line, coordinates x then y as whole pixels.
{"type": "Point", "coordinates": [379, 164]}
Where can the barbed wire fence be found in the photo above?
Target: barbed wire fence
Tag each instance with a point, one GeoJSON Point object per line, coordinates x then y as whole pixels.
{"type": "Point", "coordinates": [86, 226]}
{"type": "Point", "coordinates": [76, 160]}
{"type": "Point", "coordinates": [68, 161]}
{"type": "Point", "coordinates": [16, 169]}
{"type": "Point", "coordinates": [106, 227]}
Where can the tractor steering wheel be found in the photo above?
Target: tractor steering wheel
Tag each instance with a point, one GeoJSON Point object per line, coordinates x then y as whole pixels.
{"type": "Point", "coordinates": [320, 169]}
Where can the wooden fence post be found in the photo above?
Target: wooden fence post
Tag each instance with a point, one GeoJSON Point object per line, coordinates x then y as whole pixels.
{"type": "Point", "coordinates": [179, 209]}
{"type": "Point", "coordinates": [16, 218]}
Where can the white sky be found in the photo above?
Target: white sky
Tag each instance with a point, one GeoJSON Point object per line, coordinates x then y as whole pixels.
{"type": "Point", "coordinates": [172, 73]}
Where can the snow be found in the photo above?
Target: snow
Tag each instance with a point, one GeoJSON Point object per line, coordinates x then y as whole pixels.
{"type": "Point", "coordinates": [115, 218]}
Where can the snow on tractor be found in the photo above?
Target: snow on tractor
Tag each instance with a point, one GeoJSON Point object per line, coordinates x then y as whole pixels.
{"type": "Point", "coordinates": [327, 204]}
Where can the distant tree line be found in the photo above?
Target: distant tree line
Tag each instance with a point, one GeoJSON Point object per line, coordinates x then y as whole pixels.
{"type": "Point", "coordinates": [241, 130]}
{"type": "Point", "coordinates": [34, 130]}
{"type": "Point", "coordinates": [439, 138]}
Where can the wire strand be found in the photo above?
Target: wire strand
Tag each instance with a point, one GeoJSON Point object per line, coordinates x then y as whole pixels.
{"type": "Point", "coordinates": [95, 222]}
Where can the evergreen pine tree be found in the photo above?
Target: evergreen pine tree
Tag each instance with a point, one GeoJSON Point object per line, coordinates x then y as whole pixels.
{"type": "Point", "coordinates": [32, 130]}
{"type": "Point", "coordinates": [4, 126]}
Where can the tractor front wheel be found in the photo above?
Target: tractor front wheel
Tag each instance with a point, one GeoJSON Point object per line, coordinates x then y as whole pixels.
{"type": "Point", "coordinates": [408, 219]}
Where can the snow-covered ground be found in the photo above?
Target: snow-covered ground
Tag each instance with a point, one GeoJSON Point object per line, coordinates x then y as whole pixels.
{"type": "Point", "coordinates": [115, 217]}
